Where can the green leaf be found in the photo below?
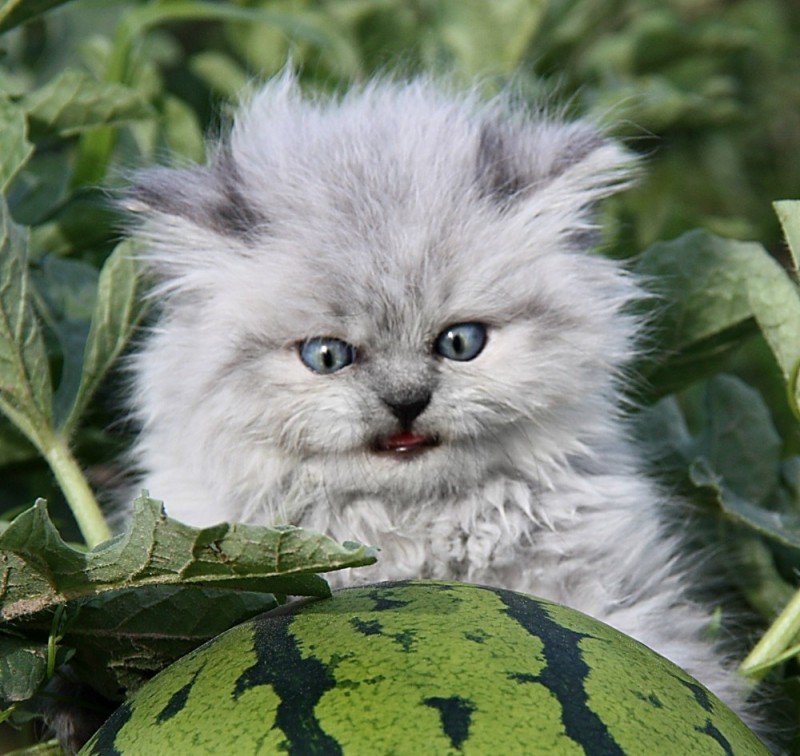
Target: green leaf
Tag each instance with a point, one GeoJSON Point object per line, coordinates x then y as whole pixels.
{"type": "Point", "coordinates": [65, 296]}
{"type": "Point", "coordinates": [140, 601]}
{"type": "Point", "coordinates": [15, 149]}
{"type": "Point", "coordinates": [145, 598]}
{"type": "Point", "coordinates": [775, 299]}
{"type": "Point", "coordinates": [739, 440]}
{"type": "Point", "coordinates": [757, 575]}
{"type": "Point", "coordinates": [123, 637]}
{"type": "Point", "coordinates": [40, 188]}
{"type": "Point", "coordinates": [23, 668]}
{"type": "Point", "coordinates": [14, 447]}
{"type": "Point", "coordinates": [782, 527]}
{"type": "Point", "coordinates": [148, 16]}
{"type": "Point", "coordinates": [75, 101]}
{"type": "Point", "coordinates": [735, 458]}
{"type": "Point", "coordinates": [775, 302]}
{"type": "Point", "coordinates": [220, 72]}
{"type": "Point", "coordinates": [700, 281]}
{"type": "Point", "coordinates": [710, 289]}
{"type": "Point", "coordinates": [182, 130]}
{"type": "Point", "coordinates": [780, 636]}
{"type": "Point", "coordinates": [25, 391]}
{"type": "Point", "coordinates": [82, 223]}
{"type": "Point", "coordinates": [41, 571]}
{"type": "Point", "coordinates": [16, 12]}
{"type": "Point", "coordinates": [484, 37]}
{"type": "Point", "coordinates": [788, 212]}
{"type": "Point", "coordinates": [117, 311]}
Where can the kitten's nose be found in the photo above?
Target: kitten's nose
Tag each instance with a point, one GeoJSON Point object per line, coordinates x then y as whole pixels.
{"type": "Point", "coordinates": [408, 410]}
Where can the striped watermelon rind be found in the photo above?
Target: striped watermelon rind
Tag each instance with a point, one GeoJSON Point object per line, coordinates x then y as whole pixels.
{"type": "Point", "coordinates": [424, 667]}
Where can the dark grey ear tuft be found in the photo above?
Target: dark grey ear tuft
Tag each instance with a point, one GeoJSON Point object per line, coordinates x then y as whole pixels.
{"type": "Point", "coordinates": [499, 176]}
{"type": "Point", "coordinates": [210, 197]}
{"type": "Point", "coordinates": [234, 214]}
{"type": "Point", "coordinates": [516, 159]}
{"type": "Point", "coordinates": [583, 141]}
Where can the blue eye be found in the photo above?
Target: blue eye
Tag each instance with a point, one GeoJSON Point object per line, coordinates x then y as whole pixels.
{"type": "Point", "coordinates": [463, 341]}
{"type": "Point", "coordinates": [326, 355]}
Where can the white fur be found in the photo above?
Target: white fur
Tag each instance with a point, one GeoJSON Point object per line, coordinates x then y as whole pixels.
{"type": "Point", "coordinates": [371, 224]}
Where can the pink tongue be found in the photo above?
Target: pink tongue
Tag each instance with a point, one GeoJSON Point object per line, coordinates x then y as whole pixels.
{"type": "Point", "coordinates": [404, 440]}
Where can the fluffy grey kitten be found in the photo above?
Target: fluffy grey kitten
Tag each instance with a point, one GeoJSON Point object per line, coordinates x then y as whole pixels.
{"type": "Point", "coordinates": [380, 320]}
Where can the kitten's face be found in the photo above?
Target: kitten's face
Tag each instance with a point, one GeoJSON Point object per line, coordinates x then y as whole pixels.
{"type": "Point", "coordinates": [385, 296]}
{"type": "Point", "coordinates": [426, 367]}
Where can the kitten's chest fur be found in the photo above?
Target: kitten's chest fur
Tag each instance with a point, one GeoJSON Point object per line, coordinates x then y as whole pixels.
{"type": "Point", "coordinates": [570, 543]}
{"type": "Point", "coordinates": [466, 537]}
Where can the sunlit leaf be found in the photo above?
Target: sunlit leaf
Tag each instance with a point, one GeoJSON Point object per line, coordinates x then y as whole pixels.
{"type": "Point", "coordinates": [183, 132]}
{"type": "Point", "coordinates": [75, 101]}
{"type": "Point", "coordinates": [789, 214]}
{"type": "Point", "coordinates": [42, 571]}
{"type": "Point", "coordinates": [220, 72]}
{"type": "Point", "coordinates": [483, 37]}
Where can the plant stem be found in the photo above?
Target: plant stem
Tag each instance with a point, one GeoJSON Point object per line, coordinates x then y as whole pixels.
{"type": "Point", "coordinates": [77, 492]}
{"type": "Point", "coordinates": [777, 639]}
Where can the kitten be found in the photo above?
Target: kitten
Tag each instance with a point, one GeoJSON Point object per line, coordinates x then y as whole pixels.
{"type": "Point", "coordinates": [380, 320]}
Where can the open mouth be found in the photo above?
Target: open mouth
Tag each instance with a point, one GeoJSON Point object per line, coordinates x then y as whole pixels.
{"type": "Point", "coordinates": [405, 444]}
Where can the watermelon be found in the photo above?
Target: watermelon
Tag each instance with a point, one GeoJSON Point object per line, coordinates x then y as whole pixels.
{"type": "Point", "coordinates": [423, 667]}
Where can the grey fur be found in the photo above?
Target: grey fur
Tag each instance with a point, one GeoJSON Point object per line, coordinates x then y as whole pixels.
{"type": "Point", "coordinates": [212, 197]}
{"type": "Point", "coordinates": [503, 177]}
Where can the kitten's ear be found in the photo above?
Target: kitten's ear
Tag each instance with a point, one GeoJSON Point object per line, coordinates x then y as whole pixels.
{"type": "Point", "coordinates": [573, 163]}
{"type": "Point", "coordinates": [210, 198]}
{"type": "Point", "coordinates": [193, 222]}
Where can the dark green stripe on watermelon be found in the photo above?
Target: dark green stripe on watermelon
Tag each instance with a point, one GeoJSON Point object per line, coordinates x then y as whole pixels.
{"type": "Point", "coordinates": [382, 603]}
{"type": "Point", "coordinates": [456, 714]}
{"type": "Point", "coordinates": [700, 694]}
{"type": "Point", "coordinates": [564, 674]}
{"type": "Point", "coordinates": [714, 733]}
{"type": "Point", "coordinates": [299, 682]}
{"type": "Point", "coordinates": [104, 742]}
{"type": "Point", "coordinates": [704, 700]}
{"type": "Point", "coordinates": [374, 627]}
{"type": "Point", "coordinates": [178, 700]}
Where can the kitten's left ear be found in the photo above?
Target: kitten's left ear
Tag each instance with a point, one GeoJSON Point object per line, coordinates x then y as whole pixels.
{"type": "Point", "coordinates": [209, 197]}
{"type": "Point", "coordinates": [573, 163]}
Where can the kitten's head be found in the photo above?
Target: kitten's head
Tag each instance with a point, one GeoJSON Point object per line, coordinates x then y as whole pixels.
{"type": "Point", "coordinates": [389, 292]}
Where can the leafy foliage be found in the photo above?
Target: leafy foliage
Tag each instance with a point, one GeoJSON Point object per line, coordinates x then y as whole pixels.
{"type": "Point", "coordinates": [115, 624]}
{"type": "Point", "coordinates": [706, 92]}
{"type": "Point", "coordinates": [42, 571]}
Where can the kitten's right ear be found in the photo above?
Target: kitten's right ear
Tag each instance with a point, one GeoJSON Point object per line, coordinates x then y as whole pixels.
{"type": "Point", "coordinates": [574, 164]}
{"type": "Point", "coordinates": [211, 198]}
